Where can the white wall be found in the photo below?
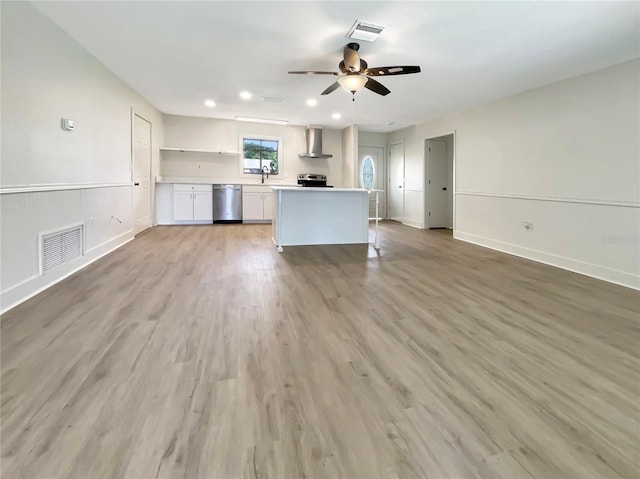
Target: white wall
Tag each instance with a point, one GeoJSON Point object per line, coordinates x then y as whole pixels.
{"type": "Point", "coordinates": [349, 156]}
{"type": "Point", "coordinates": [372, 138]}
{"type": "Point", "coordinates": [564, 157]}
{"type": "Point", "coordinates": [224, 135]}
{"type": "Point", "coordinates": [51, 178]}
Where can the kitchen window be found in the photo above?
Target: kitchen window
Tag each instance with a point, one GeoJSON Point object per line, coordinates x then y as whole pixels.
{"type": "Point", "coordinates": [260, 155]}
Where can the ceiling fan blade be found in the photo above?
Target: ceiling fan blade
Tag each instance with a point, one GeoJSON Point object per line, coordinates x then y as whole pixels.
{"type": "Point", "coordinates": [334, 86]}
{"type": "Point", "coordinates": [351, 57]}
{"type": "Point", "coordinates": [385, 71]}
{"type": "Point", "coordinates": [376, 87]}
{"type": "Point", "coordinates": [313, 73]}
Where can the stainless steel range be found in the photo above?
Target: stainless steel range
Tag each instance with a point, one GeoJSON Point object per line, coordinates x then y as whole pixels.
{"type": "Point", "coordinates": [311, 180]}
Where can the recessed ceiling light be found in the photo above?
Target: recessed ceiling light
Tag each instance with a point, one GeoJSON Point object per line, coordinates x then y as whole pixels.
{"type": "Point", "coordinates": [366, 31]}
{"type": "Point", "coordinates": [262, 120]}
{"type": "Point", "coordinates": [210, 103]}
{"type": "Point", "coordinates": [336, 116]}
{"type": "Point", "coordinates": [312, 102]}
{"type": "Point", "coordinates": [245, 95]}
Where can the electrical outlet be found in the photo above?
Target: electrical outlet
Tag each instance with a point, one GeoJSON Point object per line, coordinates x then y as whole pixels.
{"type": "Point", "coordinates": [527, 226]}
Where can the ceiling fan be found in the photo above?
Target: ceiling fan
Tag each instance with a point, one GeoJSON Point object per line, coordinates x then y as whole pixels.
{"type": "Point", "coordinates": [355, 73]}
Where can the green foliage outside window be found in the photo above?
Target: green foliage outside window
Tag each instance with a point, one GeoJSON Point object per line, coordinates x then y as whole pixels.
{"type": "Point", "coordinates": [258, 154]}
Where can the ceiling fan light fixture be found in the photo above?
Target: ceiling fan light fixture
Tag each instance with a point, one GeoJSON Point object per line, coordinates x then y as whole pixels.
{"type": "Point", "coordinates": [353, 83]}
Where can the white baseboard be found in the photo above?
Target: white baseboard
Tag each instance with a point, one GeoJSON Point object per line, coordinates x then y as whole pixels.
{"type": "Point", "coordinates": [415, 223]}
{"type": "Point", "coordinates": [589, 269]}
{"type": "Point", "coordinates": [25, 290]}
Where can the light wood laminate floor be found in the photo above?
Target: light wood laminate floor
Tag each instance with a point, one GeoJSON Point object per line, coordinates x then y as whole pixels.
{"type": "Point", "coordinates": [200, 352]}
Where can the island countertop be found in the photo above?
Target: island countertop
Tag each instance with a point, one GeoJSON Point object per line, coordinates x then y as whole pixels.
{"type": "Point", "coordinates": [318, 188]}
{"type": "Point", "coordinates": [318, 215]}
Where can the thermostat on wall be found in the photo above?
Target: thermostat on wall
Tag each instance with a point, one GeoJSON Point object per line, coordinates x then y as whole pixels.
{"type": "Point", "coordinates": [67, 124]}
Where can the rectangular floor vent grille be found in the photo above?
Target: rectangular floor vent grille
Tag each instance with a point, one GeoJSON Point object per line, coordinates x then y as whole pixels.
{"type": "Point", "coordinates": [59, 247]}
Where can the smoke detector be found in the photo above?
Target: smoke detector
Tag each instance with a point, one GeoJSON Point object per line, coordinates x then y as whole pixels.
{"type": "Point", "coordinates": [365, 31]}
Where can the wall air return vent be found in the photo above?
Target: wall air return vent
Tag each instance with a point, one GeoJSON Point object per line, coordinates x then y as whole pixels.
{"type": "Point", "coordinates": [58, 247]}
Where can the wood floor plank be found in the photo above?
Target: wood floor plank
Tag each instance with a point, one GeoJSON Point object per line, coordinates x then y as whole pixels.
{"type": "Point", "coordinates": [200, 352]}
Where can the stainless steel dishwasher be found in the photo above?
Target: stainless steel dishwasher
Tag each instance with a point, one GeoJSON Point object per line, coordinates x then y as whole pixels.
{"type": "Point", "coordinates": [227, 203]}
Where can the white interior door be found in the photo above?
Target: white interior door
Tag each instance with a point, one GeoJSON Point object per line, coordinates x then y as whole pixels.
{"type": "Point", "coordinates": [141, 174]}
{"type": "Point", "coordinates": [396, 181]}
{"type": "Point", "coordinates": [437, 184]}
{"type": "Point", "coordinates": [377, 155]}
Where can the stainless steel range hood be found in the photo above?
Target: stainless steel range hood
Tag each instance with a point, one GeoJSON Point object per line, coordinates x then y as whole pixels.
{"type": "Point", "coordinates": [314, 144]}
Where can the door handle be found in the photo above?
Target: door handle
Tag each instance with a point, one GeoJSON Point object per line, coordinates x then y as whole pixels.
{"type": "Point", "coordinates": [136, 184]}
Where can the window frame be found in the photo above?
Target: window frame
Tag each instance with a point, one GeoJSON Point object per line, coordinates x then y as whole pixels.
{"type": "Point", "coordinates": [245, 136]}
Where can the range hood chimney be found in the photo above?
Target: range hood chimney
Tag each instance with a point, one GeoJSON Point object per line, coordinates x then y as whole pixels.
{"type": "Point", "coordinates": [314, 144]}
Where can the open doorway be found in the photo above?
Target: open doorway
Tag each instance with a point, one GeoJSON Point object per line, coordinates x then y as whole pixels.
{"type": "Point", "coordinates": [439, 153]}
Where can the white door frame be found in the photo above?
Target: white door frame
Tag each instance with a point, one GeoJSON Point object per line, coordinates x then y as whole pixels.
{"type": "Point", "coordinates": [426, 176]}
{"type": "Point", "coordinates": [131, 169]}
{"type": "Point", "coordinates": [399, 141]}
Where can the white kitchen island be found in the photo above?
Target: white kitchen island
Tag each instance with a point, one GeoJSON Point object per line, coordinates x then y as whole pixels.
{"type": "Point", "coordinates": [314, 216]}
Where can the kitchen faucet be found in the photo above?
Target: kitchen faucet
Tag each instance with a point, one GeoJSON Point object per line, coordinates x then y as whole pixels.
{"type": "Point", "coordinates": [263, 172]}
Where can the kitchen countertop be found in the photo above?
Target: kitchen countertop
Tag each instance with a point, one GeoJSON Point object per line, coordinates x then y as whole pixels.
{"type": "Point", "coordinates": [314, 188]}
{"type": "Point", "coordinates": [221, 181]}
{"type": "Point", "coordinates": [319, 188]}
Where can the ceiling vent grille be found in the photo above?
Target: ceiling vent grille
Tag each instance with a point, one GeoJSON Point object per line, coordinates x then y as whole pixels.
{"type": "Point", "coordinates": [59, 247]}
{"type": "Point", "coordinates": [365, 31]}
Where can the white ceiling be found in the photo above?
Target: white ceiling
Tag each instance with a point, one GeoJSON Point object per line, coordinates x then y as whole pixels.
{"type": "Point", "coordinates": [177, 54]}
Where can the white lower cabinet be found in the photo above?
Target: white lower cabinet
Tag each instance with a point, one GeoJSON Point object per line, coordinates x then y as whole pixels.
{"type": "Point", "coordinates": [192, 203]}
{"type": "Point", "coordinates": [256, 204]}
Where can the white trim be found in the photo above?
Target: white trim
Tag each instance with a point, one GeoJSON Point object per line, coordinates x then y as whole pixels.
{"type": "Point", "coordinates": [582, 267]}
{"type": "Point", "coordinates": [6, 190]}
{"type": "Point", "coordinates": [34, 285]}
{"type": "Point", "coordinates": [624, 204]}
{"type": "Point", "coordinates": [413, 223]}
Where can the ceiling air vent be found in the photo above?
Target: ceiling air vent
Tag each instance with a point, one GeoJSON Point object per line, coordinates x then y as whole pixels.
{"type": "Point", "coordinates": [365, 31]}
{"type": "Point", "coordinates": [60, 246]}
